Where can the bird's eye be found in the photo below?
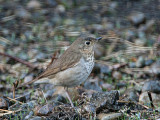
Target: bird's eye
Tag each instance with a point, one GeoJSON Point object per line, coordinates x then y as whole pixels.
{"type": "Point", "coordinates": [87, 43]}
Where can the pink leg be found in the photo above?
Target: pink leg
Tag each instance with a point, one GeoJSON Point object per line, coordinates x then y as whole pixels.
{"type": "Point", "coordinates": [66, 89]}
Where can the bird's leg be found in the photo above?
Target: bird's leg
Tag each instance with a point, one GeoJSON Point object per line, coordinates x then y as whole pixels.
{"type": "Point", "coordinates": [43, 95]}
{"type": "Point", "coordinates": [66, 89]}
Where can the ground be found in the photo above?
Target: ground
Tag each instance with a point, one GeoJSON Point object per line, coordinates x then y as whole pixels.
{"type": "Point", "coordinates": [125, 80]}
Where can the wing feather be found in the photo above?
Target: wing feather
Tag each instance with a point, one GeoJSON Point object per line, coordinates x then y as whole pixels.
{"type": "Point", "coordinates": [67, 60]}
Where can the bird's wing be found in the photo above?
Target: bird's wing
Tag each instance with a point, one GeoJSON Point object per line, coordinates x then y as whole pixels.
{"type": "Point", "coordinates": [61, 64]}
{"type": "Point", "coordinates": [67, 60]}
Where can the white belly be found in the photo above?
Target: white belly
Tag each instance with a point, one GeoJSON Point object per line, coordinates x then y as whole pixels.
{"type": "Point", "coordinates": [75, 75]}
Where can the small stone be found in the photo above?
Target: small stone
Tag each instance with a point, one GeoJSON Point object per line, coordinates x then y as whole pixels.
{"type": "Point", "coordinates": [1, 87]}
{"type": "Point", "coordinates": [60, 9]}
{"type": "Point", "coordinates": [36, 118]}
{"type": "Point", "coordinates": [107, 86]}
{"type": "Point", "coordinates": [152, 86]}
{"type": "Point", "coordinates": [97, 26]}
{"type": "Point", "coordinates": [3, 103]}
{"type": "Point", "coordinates": [28, 78]}
{"type": "Point", "coordinates": [140, 62]}
{"type": "Point", "coordinates": [22, 13]}
{"type": "Point", "coordinates": [92, 84]}
{"type": "Point", "coordinates": [133, 96]}
{"type": "Point", "coordinates": [141, 35]}
{"type": "Point", "coordinates": [100, 99]}
{"type": "Point", "coordinates": [33, 4]}
{"type": "Point", "coordinates": [137, 18]}
{"type": "Point", "coordinates": [89, 108]}
{"type": "Point", "coordinates": [155, 68]}
{"type": "Point", "coordinates": [132, 64]}
{"type": "Point", "coordinates": [145, 99]}
{"type": "Point", "coordinates": [140, 42]}
{"type": "Point", "coordinates": [121, 85]}
{"type": "Point", "coordinates": [40, 56]}
{"type": "Point", "coordinates": [104, 69]}
{"type": "Point", "coordinates": [23, 55]}
{"type": "Point", "coordinates": [113, 5]}
{"type": "Point", "coordinates": [28, 34]}
{"type": "Point", "coordinates": [148, 62]}
{"type": "Point", "coordinates": [49, 94]}
{"type": "Point", "coordinates": [43, 110]}
{"type": "Point", "coordinates": [31, 104]}
{"type": "Point", "coordinates": [117, 75]}
{"type": "Point", "coordinates": [148, 27]}
{"type": "Point", "coordinates": [109, 26]}
{"type": "Point", "coordinates": [59, 99]}
{"type": "Point", "coordinates": [69, 22]}
{"type": "Point", "coordinates": [129, 35]}
{"type": "Point", "coordinates": [29, 115]}
{"type": "Point", "coordinates": [109, 116]}
{"type": "Point", "coordinates": [52, 3]}
{"type": "Point", "coordinates": [5, 31]}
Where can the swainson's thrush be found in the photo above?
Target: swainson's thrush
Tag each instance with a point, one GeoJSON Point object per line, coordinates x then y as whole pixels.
{"type": "Point", "coordinates": [73, 67]}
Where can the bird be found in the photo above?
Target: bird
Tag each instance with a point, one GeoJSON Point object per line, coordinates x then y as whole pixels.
{"type": "Point", "coordinates": [73, 67]}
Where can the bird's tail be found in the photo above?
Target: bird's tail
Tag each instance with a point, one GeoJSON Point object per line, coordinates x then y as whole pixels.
{"type": "Point", "coordinates": [27, 83]}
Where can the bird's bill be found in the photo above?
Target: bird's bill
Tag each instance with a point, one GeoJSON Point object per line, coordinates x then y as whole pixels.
{"type": "Point", "coordinates": [99, 38]}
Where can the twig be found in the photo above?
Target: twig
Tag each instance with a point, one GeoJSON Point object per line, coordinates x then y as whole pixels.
{"type": "Point", "coordinates": [121, 101]}
{"type": "Point", "coordinates": [8, 112]}
{"type": "Point", "coordinates": [13, 99]}
{"type": "Point", "coordinates": [2, 110]}
{"type": "Point", "coordinates": [19, 60]}
{"type": "Point", "coordinates": [53, 58]}
{"type": "Point", "coordinates": [15, 84]}
{"type": "Point", "coordinates": [150, 98]}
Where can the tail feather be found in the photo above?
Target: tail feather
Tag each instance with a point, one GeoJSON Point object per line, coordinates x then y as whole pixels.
{"type": "Point", "coordinates": [27, 83]}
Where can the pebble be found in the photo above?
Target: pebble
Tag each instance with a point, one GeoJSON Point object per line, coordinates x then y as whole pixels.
{"type": "Point", "coordinates": [113, 5]}
{"type": "Point", "coordinates": [3, 103]}
{"type": "Point", "coordinates": [133, 96]}
{"type": "Point", "coordinates": [145, 99]}
{"type": "Point", "coordinates": [60, 9]}
{"type": "Point", "coordinates": [52, 3]}
{"type": "Point", "coordinates": [105, 69]}
{"type": "Point", "coordinates": [89, 108]}
{"type": "Point", "coordinates": [155, 68]}
{"type": "Point", "coordinates": [49, 94]}
{"type": "Point", "coordinates": [92, 84]}
{"type": "Point", "coordinates": [107, 86]}
{"type": "Point", "coordinates": [1, 87]}
{"type": "Point", "coordinates": [109, 116]}
{"type": "Point", "coordinates": [132, 64]}
{"type": "Point", "coordinates": [33, 4]}
{"type": "Point", "coordinates": [148, 27]}
{"type": "Point", "coordinates": [152, 86]}
{"type": "Point", "coordinates": [140, 62]}
{"type": "Point", "coordinates": [28, 78]}
{"type": "Point", "coordinates": [29, 115]}
{"type": "Point", "coordinates": [43, 110]}
{"type": "Point", "coordinates": [137, 18]}
{"type": "Point", "coordinates": [36, 118]}
{"type": "Point", "coordinates": [121, 85]}
{"type": "Point", "coordinates": [69, 22]}
{"type": "Point", "coordinates": [58, 99]}
{"type": "Point", "coordinates": [117, 75]}
{"type": "Point", "coordinates": [148, 62]}
{"type": "Point", "coordinates": [140, 42]}
{"type": "Point", "coordinates": [97, 27]}
{"type": "Point", "coordinates": [22, 13]}
{"type": "Point", "coordinates": [129, 35]}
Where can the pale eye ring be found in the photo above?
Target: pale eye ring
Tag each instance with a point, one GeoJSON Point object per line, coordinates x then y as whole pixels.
{"type": "Point", "coordinates": [87, 42]}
